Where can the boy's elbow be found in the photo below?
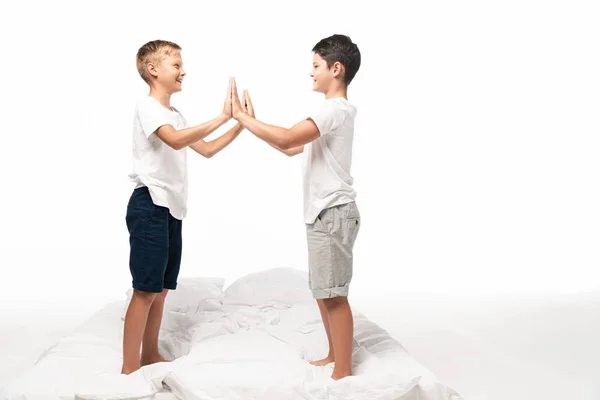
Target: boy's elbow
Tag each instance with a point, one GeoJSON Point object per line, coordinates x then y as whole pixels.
{"type": "Point", "coordinates": [204, 151]}
{"type": "Point", "coordinates": [209, 151]}
{"type": "Point", "coordinates": [284, 144]}
{"type": "Point", "coordinates": [171, 140]}
{"type": "Point", "coordinates": [178, 145]}
{"type": "Point", "coordinates": [175, 145]}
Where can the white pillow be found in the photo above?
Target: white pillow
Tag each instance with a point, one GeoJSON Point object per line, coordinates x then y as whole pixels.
{"type": "Point", "coordinates": [193, 295]}
{"type": "Point", "coordinates": [274, 287]}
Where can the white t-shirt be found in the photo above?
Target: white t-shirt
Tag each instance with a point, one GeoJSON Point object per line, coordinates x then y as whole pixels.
{"type": "Point", "coordinates": [155, 164]}
{"type": "Point", "coordinates": [327, 160]}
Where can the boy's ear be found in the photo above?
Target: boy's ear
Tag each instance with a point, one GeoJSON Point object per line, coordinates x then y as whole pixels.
{"type": "Point", "coordinates": [338, 69]}
{"type": "Point", "coordinates": [151, 68]}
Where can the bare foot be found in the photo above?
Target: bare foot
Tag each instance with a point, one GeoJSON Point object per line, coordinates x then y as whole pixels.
{"type": "Point", "coordinates": [336, 376]}
{"type": "Point", "coordinates": [152, 360]}
{"type": "Point", "coordinates": [129, 370]}
{"type": "Point", "coordinates": [324, 361]}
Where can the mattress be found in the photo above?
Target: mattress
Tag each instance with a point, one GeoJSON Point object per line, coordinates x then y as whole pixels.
{"type": "Point", "coordinates": [252, 340]}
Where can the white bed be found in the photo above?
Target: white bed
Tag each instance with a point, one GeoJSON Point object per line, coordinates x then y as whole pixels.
{"type": "Point", "coordinates": [250, 341]}
{"type": "Point", "coordinates": [507, 347]}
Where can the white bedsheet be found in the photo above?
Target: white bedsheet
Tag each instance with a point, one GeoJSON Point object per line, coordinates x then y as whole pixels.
{"type": "Point", "coordinates": [247, 350]}
{"type": "Point", "coordinates": [92, 349]}
{"type": "Point", "coordinates": [254, 352]}
{"type": "Point", "coordinates": [513, 348]}
{"type": "Point", "coordinates": [524, 348]}
{"type": "Point", "coordinates": [28, 331]}
{"type": "Point", "coordinates": [268, 359]}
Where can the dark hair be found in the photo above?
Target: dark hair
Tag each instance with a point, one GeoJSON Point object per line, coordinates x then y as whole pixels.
{"type": "Point", "coordinates": [339, 48]}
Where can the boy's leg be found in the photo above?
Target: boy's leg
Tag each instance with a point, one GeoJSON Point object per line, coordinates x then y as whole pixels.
{"type": "Point", "coordinates": [148, 227]}
{"type": "Point", "coordinates": [150, 353]}
{"type": "Point", "coordinates": [325, 317]}
{"type": "Point", "coordinates": [135, 324]}
{"type": "Point", "coordinates": [342, 333]}
{"type": "Point", "coordinates": [330, 243]}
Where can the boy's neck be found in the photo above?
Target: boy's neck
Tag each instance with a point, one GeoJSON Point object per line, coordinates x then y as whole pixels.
{"type": "Point", "coordinates": [163, 98]}
{"type": "Point", "coordinates": [337, 91]}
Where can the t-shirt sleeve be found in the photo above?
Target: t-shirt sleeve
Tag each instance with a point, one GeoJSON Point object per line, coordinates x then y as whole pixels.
{"type": "Point", "coordinates": [329, 117]}
{"type": "Point", "coordinates": [152, 116]}
{"type": "Point", "coordinates": [184, 123]}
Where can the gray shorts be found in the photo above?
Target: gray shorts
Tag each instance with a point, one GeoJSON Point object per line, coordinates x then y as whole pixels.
{"type": "Point", "coordinates": [330, 242]}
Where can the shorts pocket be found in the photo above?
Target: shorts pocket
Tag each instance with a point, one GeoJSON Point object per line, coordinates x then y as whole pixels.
{"type": "Point", "coordinates": [350, 224]}
{"type": "Point", "coordinates": [324, 221]}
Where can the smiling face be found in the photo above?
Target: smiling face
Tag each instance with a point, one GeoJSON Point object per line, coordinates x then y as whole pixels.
{"type": "Point", "coordinates": [321, 74]}
{"type": "Point", "coordinates": [159, 64]}
{"type": "Point", "coordinates": [325, 78]}
{"type": "Point", "coordinates": [169, 73]}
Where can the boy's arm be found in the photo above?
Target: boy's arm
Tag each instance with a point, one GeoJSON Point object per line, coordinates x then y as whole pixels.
{"type": "Point", "coordinates": [185, 137]}
{"type": "Point", "coordinates": [290, 140]}
{"type": "Point", "coordinates": [249, 109]}
{"type": "Point", "coordinates": [188, 136]}
{"type": "Point", "coordinates": [298, 135]}
{"type": "Point", "coordinates": [209, 149]}
{"type": "Point", "coordinates": [289, 152]}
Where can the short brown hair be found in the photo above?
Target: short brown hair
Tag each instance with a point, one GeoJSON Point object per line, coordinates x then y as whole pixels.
{"type": "Point", "coordinates": [153, 52]}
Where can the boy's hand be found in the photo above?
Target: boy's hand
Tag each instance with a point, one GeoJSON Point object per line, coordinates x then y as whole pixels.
{"type": "Point", "coordinates": [236, 106]}
{"type": "Point", "coordinates": [247, 106]}
{"type": "Point", "coordinates": [227, 109]}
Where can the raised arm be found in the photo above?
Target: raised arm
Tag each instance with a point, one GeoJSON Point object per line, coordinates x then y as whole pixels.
{"type": "Point", "coordinates": [249, 108]}
{"type": "Point", "coordinates": [209, 149]}
{"type": "Point", "coordinates": [294, 151]}
{"type": "Point", "coordinates": [178, 139]}
{"type": "Point", "coordinates": [281, 138]}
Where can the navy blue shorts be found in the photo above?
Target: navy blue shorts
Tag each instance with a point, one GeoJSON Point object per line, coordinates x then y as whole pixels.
{"type": "Point", "coordinates": [155, 243]}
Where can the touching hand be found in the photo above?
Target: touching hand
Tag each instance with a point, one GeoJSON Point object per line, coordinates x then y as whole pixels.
{"type": "Point", "coordinates": [227, 109]}
{"type": "Point", "coordinates": [247, 105]}
{"type": "Point", "coordinates": [236, 106]}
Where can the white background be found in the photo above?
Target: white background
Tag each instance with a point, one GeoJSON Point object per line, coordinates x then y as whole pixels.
{"type": "Point", "coordinates": [475, 161]}
{"type": "Point", "coordinates": [476, 153]}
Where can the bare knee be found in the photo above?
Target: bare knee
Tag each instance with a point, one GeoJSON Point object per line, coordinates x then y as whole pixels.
{"type": "Point", "coordinates": [145, 297]}
{"type": "Point", "coordinates": [335, 302]}
{"type": "Point", "coordinates": [162, 295]}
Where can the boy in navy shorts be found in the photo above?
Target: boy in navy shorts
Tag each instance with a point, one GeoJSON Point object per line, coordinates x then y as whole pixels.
{"type": "Point", "coordinates": [157, 206]}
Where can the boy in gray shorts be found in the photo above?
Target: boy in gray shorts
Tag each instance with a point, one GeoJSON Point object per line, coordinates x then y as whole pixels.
{"type": "Point", "coordinates": [330, 212]}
